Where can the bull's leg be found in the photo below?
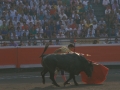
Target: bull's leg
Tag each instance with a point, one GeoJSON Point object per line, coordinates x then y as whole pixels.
{"type": "Point", "coordinates": [43, 75]}
{"type": "Point", "coordinates": [53, 80]}
{"type": "Point", "coordinates": [74, 80]}
{"type": "Point", "coordinates": [70, 77]}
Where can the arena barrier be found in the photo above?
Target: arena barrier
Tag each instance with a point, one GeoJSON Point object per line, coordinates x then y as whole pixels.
{"type": "Point", "coordinates": [28, 57]}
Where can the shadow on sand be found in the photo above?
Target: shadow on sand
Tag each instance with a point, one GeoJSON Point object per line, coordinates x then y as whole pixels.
{"type": "Point", "coordinates": [52, 87]}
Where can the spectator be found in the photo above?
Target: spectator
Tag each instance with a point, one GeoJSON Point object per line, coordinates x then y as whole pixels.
{"type": "Point", "coordinates": [81, 10]}
{"type": "Point", "coordinates": [77, 19]}
{"type": "Point", "coordinates": [68, 32]}
{"type": "Point", "coordinates": [4, 25]}
{"type": "Point", "coordinates": [47, 15]}
{"type": "Point", "coordinates": [70, 21]}
{"type": "Point", "coordinates": [60, 35]}
{"type": "Point", "coordinates": [107, 14]}
{"type": "Point", "coordinates": [68, 11]}
{"type": "Point", "coordinates": [20, 9]}
{"type": "Point", "coordinates": [45, 36]}
{"type": "Point", "coordinates": [48, 32]}
{"type": "Point", "coordinates": [88, 24]}
{"type": "Point", "coordinates": [116, 23]}
{"type": "Point", "coordinates": [116, 41]}
{"type": "Point", "coordinates": [102, 21]}
{"type": "Point", "coordinates": [29, 43]}
{"type": "Point", "coordinates": [10, 25]}
{"type": "Point", "coordinates": [4, 33]}
{"type": "Point", "coordinates": [10, 32]}
{"type": "Point", "coordinates": [1, 38]}
{"type": "Point", "coordinates": [13, 35]}
{"type": "Point", "coordinates": [51, 2]}
{"type": "Point", "coordinates": [41, 16]}
{"type": "Point", "coordinates": [91, 29]}
{"type": "Point", "coordinates": [112, 1]}
{"type": "Point", "coordinates": [118, 33]}
{"type": "Point", "coordinates": [105, 2]}
{"type": "Point", "coordinates": [15, 21]}
{"type": "Point", "coordinates": [113, 34]}
{"type": "Point", "coordinates": [52, 11]}
{"type": "Point", "coordinates": [91, 16]}
{"type": "Point", "coordinates": [44, 42]}
{"type": "Point", "coordinates": [55, 16]}
{"type": "Point", "coordinates": [104, 34]}
{"type": "Point", "coordinates": [50, 42]}
{"type": "Point", "coordinates": [73, 2]}
{"type": "Point", "coordinates": [4, 44]}
{"type": "Point", "coordinates": [97, 33]}
{"type": "Point", "coordinates": [34, 43]}
{"type": "Point", "coordinates": [18, 33]}
{"type": "Point", "coordinates": [37, 21]}
{"type": "Point", "coordinates": [111, 18]}
{"type": "Point", "coordinates": [57, 42]}
{"type": "Point", "coordinates": [106, 41]}
{"type": "Point", "coordinates": [118, 16]}
{"type": "Point", "coordinates": [85, 2]}
{"type": "Point", "coordinates": [12, 12]}
{"type": "Point", "coordinates": [83, 32]}
{"type": "Point", "coordinates": [38, 36]}
{"type": "Point", "coordinates": [115, 5]}
{"type": "Point", "coordinates": [95, 25]}
{"type": "Point", "coordinates": [90, 35]}
{"type": "Point", "coordinates": [32, 32]}
{"type": "Point", "coordinates": [30, 20]}
{"type": "Point", "coordinates": [21, 43]}
{"type": "Point", "coordinates": [95, 42]}
{"type": "Point", "coordinates": [59, 7]}
{"type": "Point", "coordinates": [62, 30]}
{"type": "Point", "coordinates": [12, 43]}
{"type": "Point", "coordinates": [96, 1]}
{"type": "Point", "coordinates": [39, 30]}
{"type": "Point", "coordinates": [18, 25]}
{"type": "Point", "coordinates": [73, 25]}
{"type": "Point", "coordinates": [19, 2]}
{"type": "Point", "coordinates": [62, 14]}
{"type": "Point", "coordinates": [24, 36]}
{"type": "Point", "coordinates": [88, 7]}
{"type": "Point", "coordinates": [1, 21]}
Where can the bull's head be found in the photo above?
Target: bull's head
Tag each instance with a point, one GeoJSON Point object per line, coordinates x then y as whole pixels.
{"type": "Point", "coordinates": [89, 69]}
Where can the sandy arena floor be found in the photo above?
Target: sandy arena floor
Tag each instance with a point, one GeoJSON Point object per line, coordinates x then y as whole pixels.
{"type": "Point", "coordinates": [32, 81]}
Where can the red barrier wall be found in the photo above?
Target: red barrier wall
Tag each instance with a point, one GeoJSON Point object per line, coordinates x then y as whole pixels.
{"type": "Point", "coordinates": [30, 55]}
{"type": "Point", "coordinates": [101, 53]}
{"type": "Point", "coordinates": [8, 56]}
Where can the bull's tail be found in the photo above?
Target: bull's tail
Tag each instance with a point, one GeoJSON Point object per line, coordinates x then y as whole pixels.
{"type": "Point", "coordinates": [46, 46]}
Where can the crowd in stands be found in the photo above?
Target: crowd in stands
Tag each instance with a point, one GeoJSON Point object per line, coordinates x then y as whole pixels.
{"type": "Point", "coordinates": [46, 19]}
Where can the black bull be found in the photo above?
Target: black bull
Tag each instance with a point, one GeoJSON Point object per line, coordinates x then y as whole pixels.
{"type": "Point", "coordinates": [71, 63]}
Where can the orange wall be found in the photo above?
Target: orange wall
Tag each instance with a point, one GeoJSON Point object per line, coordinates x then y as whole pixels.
{"type": "Point", "coordinates": [30, 55]}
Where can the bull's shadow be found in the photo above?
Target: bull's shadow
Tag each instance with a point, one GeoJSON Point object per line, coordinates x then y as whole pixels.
{"type": "Point", "coordinates": [67, 87]}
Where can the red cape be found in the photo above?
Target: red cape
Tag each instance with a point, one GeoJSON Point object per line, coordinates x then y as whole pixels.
{"type": "Point", "coordinates": [98, 76]}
